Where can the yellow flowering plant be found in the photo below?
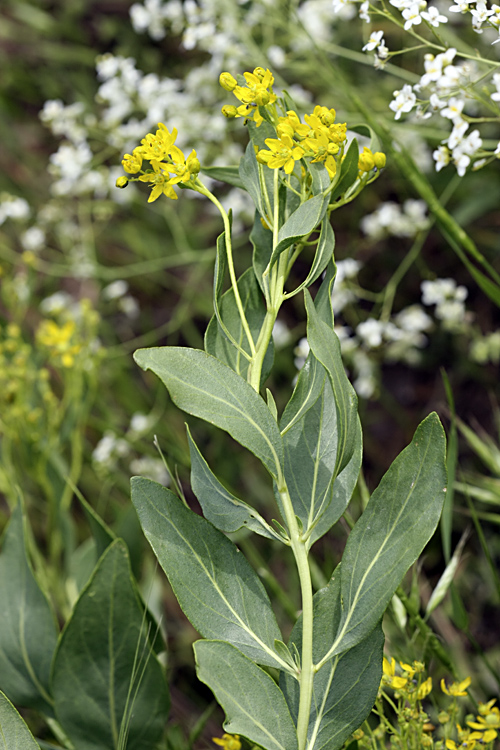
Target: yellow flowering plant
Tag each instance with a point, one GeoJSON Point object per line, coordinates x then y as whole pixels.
{"type": "Point", "coordinates": [316, 689]}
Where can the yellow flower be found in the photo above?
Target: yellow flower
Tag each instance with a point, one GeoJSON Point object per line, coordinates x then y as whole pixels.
{"type": "Point", "coordinates": [283, 152]}
{"type": "Point", "coordinates": [424, 689]}
{"type": "Point", "coordinates": [160, 182]}
{"type": "Point", "coordinates": [184, 170]}
{"type": "Point", "coordinates": [292, 126]}
{"type": "Point", "coordinates": [390, 677]}
{"type": "Point", "coordinates": [228, 741]}
{"type": "Point", "coordinates": [456, 688]}
{"type": "Point", "coordinates": [489, 720]}
{"type": "Point", "coordinates": [58, 340]}
{"type": "Point", "coordinates": [368, 160]}
{"type": "Point", "coordinates": [132, 163]}
{"type": "Point", "coordinates": [157, 147]}
{"type": "Point", "coordinates": [227, 81]}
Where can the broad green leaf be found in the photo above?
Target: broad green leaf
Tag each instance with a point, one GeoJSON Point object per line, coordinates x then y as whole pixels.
{"type": "Point", "coordinates": [323, 255]}
{"type": "Point", "coordinates": [229, 175]}
{"type": "Point", "coordinates": [343, 487]}
{"type": "Point", "coordinates": [323, 299]}
{"type": "Point", "coordinates": [28, 631]}
{"type": "Point", "coordinates": [320, 177]}
{"type": "Point", "coordinates": [217, 588]}
{"type": "Point", "coordinates": [201, 385]}
{"type": "Point", "coordinates": [300, 224]}
{"type": "Point", "coordinates": [326, 347]}
{"type": "Point", "coordinates": [400, 518]}
{"type": "Point", "coordinates": [225, 511]}
{"type": "Point", "coordinates": [308, 388]}
{"type": "Point", "coordinates": [346, 686]}
{"type": "Point", "coordinates": [14, 733]}
{"type": "Point", "coordinates": [349, 172]}
{"type": "Point", "coordinates": [106, 679]}
{"type": "Point", "coordinates": [254, 705]}
{"type": "Point", "coordinates": [217, 343]}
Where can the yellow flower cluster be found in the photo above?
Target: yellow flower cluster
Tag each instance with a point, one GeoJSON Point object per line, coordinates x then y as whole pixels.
{"type": "Point", "coordinates": [405, 682]}
{"type": "Point", "coordinates": [319, 138]}
{"type": "Point", "coordinates": [257, 92]}
{"type": "Point", "coordinates": [168, 165]}
{"type": "Point", "coordinates": [228, 741]}
{"type": "Point", "coordinates": [59, 340]}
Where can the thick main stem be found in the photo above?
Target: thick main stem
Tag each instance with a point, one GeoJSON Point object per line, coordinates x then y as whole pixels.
{"type": "Point", "coordinates": [307, 665]}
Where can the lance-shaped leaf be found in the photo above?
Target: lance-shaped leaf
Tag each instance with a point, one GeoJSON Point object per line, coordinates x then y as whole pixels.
{"type": "Point", "coordinates": [349, 171]}
{"type": "Point", "coordinates": [217, 588]}
{"type": "Point", "coordinates": [322, 256]}
{"type": "Point", "coordinates": [106, 680]}
{"type": "Point", "coordinates": [229, 175]}
{"type": "Point", "coordinates": [397, 523]}
{"type": "Point", "coordinates": [225, 511]}
{"type": "Point", "coordinates": [201, 385]}
{"type": "Point", "coordinates": [262, 241]}
{"type": "Point", "coordinates": [254, 705]}
{"type": "Point", "coordinates": [346, 686]}
{"type": "Point", "coordinates": [28, 632]}
{"type": "Point", "coordinates": [326, 347]}
{"type": "Point", "coordinates": [300, 224]}
{"type": "Point", "coordinates": [249, 167]}
{"type": "Point", "coordinates": [216, 342]}
{"type": "Point", "coordinates": [14, 733]}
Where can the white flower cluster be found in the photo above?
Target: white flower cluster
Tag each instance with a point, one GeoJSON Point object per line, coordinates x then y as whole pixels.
{"type": "Point", "coordinates": [449, 299]}
{"type": "Point", "coordinates": [13, 207]}
{"type": "Point", "coordinates": [393, 219]}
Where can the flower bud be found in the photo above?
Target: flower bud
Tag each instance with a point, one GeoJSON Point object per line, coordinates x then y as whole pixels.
{"type": "Point", "coordinates": [227, 81]}
{"type": "Point", "coordinates": [229, 111]}
{"type": "Point", "coordinates": [366, 162]}
{"type": "Point", "coordinates": [379, 159]}
{"type": "Point", "coordinates": [121, 182]}
{"type": "Point", "coordinates": [259, 72]}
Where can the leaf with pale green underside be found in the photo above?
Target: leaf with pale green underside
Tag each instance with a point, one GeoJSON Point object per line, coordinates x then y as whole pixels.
{"type": "Point", "coordinates": [262, 241]}
{"type": "Point", "coordinates": [300, 224]}
{"type": "Point", "coordinates": [14, 733]}
{"type": "Point", "coordinates": [345, 688]}
{"type": "Point", "coordinates": [216, 342]}
{"type": "Point", "coordinates": [254, 705]}
{"type": "Point", "coordinates": [399, 520]}
{"type": "Point", "coordinates": [104, 660]}
{"type": "Point", "coordinates": [322, 256]}
{"type": "Point", "coordinates": [349, 171]}
{"type": "Point", "coordinates": [217, 588]}
{"type": "Point", "coordinates": [225, 511]}
{"type": "Point", "coordinates": [28, 631]}
{"type": "Point", "coordinates": [201, 385]}
{"type": "Point", "coordinates": [229, 175]}
{"type": "Point", "coordinates": [326, 348]}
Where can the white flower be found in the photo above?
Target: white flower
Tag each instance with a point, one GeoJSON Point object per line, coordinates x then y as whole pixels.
{"type": "Point", "coordinates": [115, 290]}
{"type": "Point", "coordinates": [442, 157]}
{"type": "Point", "coordinates": [433, 16]}
{"type": "Point", "coordinates": [404, 101]}
{"type": "Point", "coordinates": [139, 424]}
{"type": "Point", "coordinates": [33, 239]}
{"type": "Point", "coordinates": [457, 134]}
{"type": "Point", "coordinates": [412, 15]}
{"type": "Point", "coordinates": [363, 11]}
{"type": "Point", "coordinates": [454, 110]}
{"type": "Point", "coordinates": [281, 334]}
{"type": "Point", "coordinates": [301, 351]}
{"type": "Point", "coordinates": [12, 207]}
{"type": "Point", "coordinates": [152, 468]}
{"type": "Point", "coordinates": [442, 290]}
{"type": "Point", "coordinates": [371, 332]}
{"type": "Point", "coordinates": [376, 38]}
{"type": "Point", "coordinates": [461, 6]}
{"type": "Point", "coordinates": [496, 95]}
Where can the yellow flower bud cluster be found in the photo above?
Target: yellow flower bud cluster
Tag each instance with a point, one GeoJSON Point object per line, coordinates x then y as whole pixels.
{"type": "Point", "coordinates": [368, 160]}
{"type": "Point", "coordinates": [168, 165]}
{"type": "Point", "coordinates": [257, 92]}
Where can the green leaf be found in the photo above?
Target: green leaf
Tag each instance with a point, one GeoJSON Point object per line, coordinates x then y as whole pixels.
{"type": "Point", "coordinates": [326, 347]}
{"type": "Point", "coordinates": [229, 175]}
{"type": "Point", "coordinates": [225, 511]}
{"type": "Point", "coordinates": [320, 178]}
{"type": "Point", "coordinates": [322, 256]}
{"type": "Point", "coordinates": [300, 224]}
{"type": "Point", "coordinates": [400, 518]}
{"type": "Point", "coordinates": [217, 588]}
{"type": "Point", "coordinates": [349, 171]}
{"type": "Point", "coordinates": [106, 678]}
{"type": "Point", "coordinates": [262, 241]}
{"type": "Point", "coordinates": [308, 388]}
{"type": "Point", "coordinates": [249, 167]}
{"type": "Point", "coordinates": [28, 632]}
{"type": "Point", "coordinates": [217, 343]}
{"type": "Point", "coordinates": [201, 385]}
{"type": "Point", "coordinates": [345, 688]}
{"type": "Point", "coordinates": [254, 705]}
{"type": "Point", "coordinates": [14, 733]}
{"type": "Point", "coordinates": [323, 299]}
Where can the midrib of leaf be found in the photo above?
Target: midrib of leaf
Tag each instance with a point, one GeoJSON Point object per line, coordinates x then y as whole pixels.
{"type": "Point", "coordinates": [25, 654]}
{"type": "Point", "coordinates": [111, 686]}
{"type": "Point", "coordinates": [368, 570]}
{"type": "Point", "coordinates": [302, 409]}
{"type": "Point", "coordinates": [320, 713]}
{"type": "Point", "coordinates": [242, 414]}
{"type": "Point", "coordinates": [254, 720]}
{"type": "Point", "coordinates": [313, 515]}
{"type": "Point", "coordinates": [241, 622]}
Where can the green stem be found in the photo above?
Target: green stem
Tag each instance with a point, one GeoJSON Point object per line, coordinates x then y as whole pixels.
{"type": "Point", "coordinates": [307, 666]}
{"type": "Point", "coordinates": [200, 188]}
